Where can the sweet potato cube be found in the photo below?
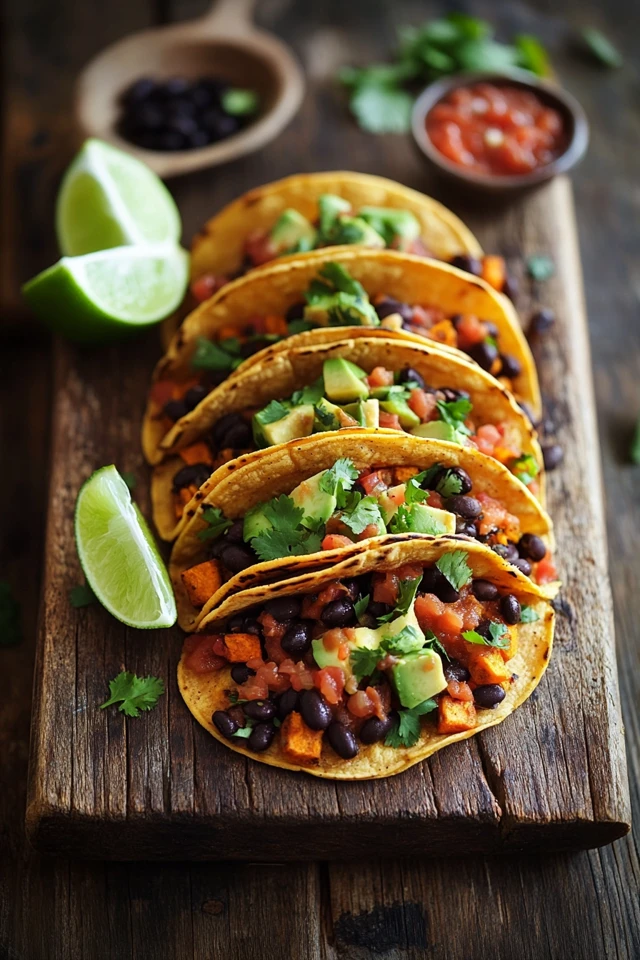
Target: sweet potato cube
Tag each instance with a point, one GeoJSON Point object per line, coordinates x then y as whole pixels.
{"type": "Point", "coordinates": [404, 474]}
{"type": "Point", "coordinates": [494, 271]}
{"type": "Point", "coordinates": [202, 581]}
{"type": "Point", "coordinates": [300, 743]}
{"type": "Point", "coordinates": [196, 453]}
{"type": "Point", "coordinates": [455, 715]}
{"type": "Point", "coordinates": [241, 647]}
{"type": "Point", "coordinates": [443, 332]}
{"type": "Point", "coordinates": [511, 650]}
{"type": "Point", "coordinates": [487, 666]}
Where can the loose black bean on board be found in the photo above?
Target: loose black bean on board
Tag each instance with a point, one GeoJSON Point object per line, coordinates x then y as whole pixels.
{"type": "Point", "coordinates": [315, 710]}
{"type": "Point", "coordinates": [541, 321]}
{"type": "Point", "coordinates": [553, 455]}
{"type": "Point", "coordinates": [342, 740]}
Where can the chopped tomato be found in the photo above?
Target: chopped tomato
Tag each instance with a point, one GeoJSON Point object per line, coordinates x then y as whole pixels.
{"type": "Point", "coordinates": [545, 570]}
{"type": "Point", "coordinates": [435, 500]}
{"type": "Point", "coordinates": [496, 516]}
{"type": "Point", "coordinates": [205, 656]}
{"type": "Point", "coordinates": [450, 622]}
{"type": "Point", "coordinates": [397, 494]}
{"type": "Point", "coordinates": [385, 587]}
{"type": "Point", "coordinates": [390, 421]}
{"type": "Point", "coordinates": [161, 392]}
{"type": "Point", "coordinates": [371, 530]}
{"type": "Point", "coordinates": [334, 540]}
{"type": "Point", "coordinates": [298, 674]}
{"type": "Point", "coordinates": [487, 438]}
{"type": "Point", "coordinates": [330, 682]}
{"type": "Point", "coordinates": [312, 608]}
{"type": "Point", "coordinates": [418, 248]}
{"type": "Point", "coordinates": [423, 317]}
{"type": "Point", "coordinates": [373, 484]}
{"type": "Point", "coordinates": [459, 690]}
{"type": "Point", "coordinates": [380, 377]}
{"type": "Point", "coordinates": [410, 571]}
{"type": "Point", "coordinates": [360, 704]}
{"type": "Point", "coordinates": [471, 330]}
{"type": "Point", "coordinates": [423, 404]}
{"type": "Point", "coordinates": [259, 248]}
{"type": "Point", "coordinates": [206, 285]}
{"type": "Point", "coordinates": [376, 702]}
{"type": "Point", "coordinates": [267, 676]}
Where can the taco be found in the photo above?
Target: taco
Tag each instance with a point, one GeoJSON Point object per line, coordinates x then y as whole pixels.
{"type": "Point", "coordinates": [371, 665]}
{"type": "Point", "coordinates": [357, 288]}
{"type": "Point", "coordinates": [268, 516]}
{"type": "Point", "coordinates": [366, 380]}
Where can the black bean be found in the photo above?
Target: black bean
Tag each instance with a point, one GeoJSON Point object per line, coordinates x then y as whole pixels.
{"type": "Point", "coordinates": [553, 455]}
{"type": "Point", "coordinates": [531, 547]}
{"type": "Point", "coordinates": [483, 628]}
{"type": "Point", "coordinates": [409, 375]}
{"type": "Point", "coordinates": [239, 436]}
{"type": "Point", "coordinates": [342, 740]}
{"type": "Point", "coordinates": [225, 724]}
{"type": "Point", "coordinates": [465, 262]}
{"type": "Point", "coordinates": [510, 608]}
{"type": "Point", "coordinates": [358, 488]}
{"type": "Point", "coordinates": [373, 730]}
{"type": "Point", "coordinates": [454, 670]}
{"type": "Point", "coordinates": [216, 547]}
{"type": "Point", "coordinates": [522, 565]}
{"type": "Point", "coordinates": [175, 409]}
{"type": "Point", "coordinates": [171, 140]}
{"type": "Point", "coordinates": [194, 473]}
{"type": "Point", "coordinates": [511, 367]}
{"type": "Point", "coordinates": [259, 710]}
{"type": "Point", "coordinates": [377, 609]}
{"type": "Point", "coordinates": [235, 624]}
{"type": "Point", "coordinates": [240, 673]}
{"type": "Point", "coordinates": [389, 306]}
{"type": "Point", "coordinates": [139, 91]}
{"type": "Point", "coordinates": [236, 532]}
{"type": "Point", "coordinates": [462, 475]}
{"type": "Point", "coordinates": [287, 702]}
{"type": "Point", "coordinates": [338, 613]}
{"type": "Point", "coordinates": [261, 737]}
{"type": "Point", "coordinates": [252, 626]}
{"type": "Point", "coordinates": [464, 506]}
{"type": "Point", "coordinates": [295, 312]}
{"type": "Point", "coordinates": [175, 86]}
{"type": "Point", "coordinates": [224, 424]}
{"type": "Point", "coordinates": [484, 354]}
{"type": "Point", "coordinates": [492, 329]}
{"type": "Point", "coordinates": [446, 592]}
{"type": "Point", "coordinates": [249, 347]}
{"type": "Point", "coordinates": [194, 395]}
{"type": "Point", "coordinates": [353, 588]}
{"type": "Point", "coordinates": [541, 321]}
{"type": "Point", "coordinates": [200, 138]}
{"type": "Point", "coordinates": [484, 589]}
{"type": "Point", "coordinates": [508, 551]}
{"type": "Point", "coordinates": [297, 639]}
{"type": "Point", "coordinates": [510, 287]}
{"type": "Point", "coordinates": [237, 558]}
{"type": "Point", "coordinates": [315, 710]}
{"type": "Point", "coordinates": [489, 695]}
{"type": "Point", "coordinates": [435, 582]}
{"type": "Point", "coordinates": [284, 608]}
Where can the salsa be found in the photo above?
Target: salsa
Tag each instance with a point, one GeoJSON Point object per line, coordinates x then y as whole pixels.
{"type": "Point", "coordinates": [496, 129]}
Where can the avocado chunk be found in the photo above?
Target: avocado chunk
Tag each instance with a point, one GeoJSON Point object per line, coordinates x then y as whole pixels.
{"type": "Point", "coordinates": [366, 412]}
{"type": "Point", "coordinates": [297, 423]}
{"type": "Point", "coordinates": [255, 523]}
{"type": "Point", "coordinates": [330, 207]}
{"type": "Point", "coordinates": [356, 230]}
{"type": "Point", "coordinates": [418, 677]}
{"type": "Point", "coordinates": [396, 404]}
{"type": "Point", "coordinates": [292, 230]}
{"type": "Point", "coordinates": [343, 380]}
{"type": "Point", "coordinates": [317, 504]}
{"type": "Point", "coordinates": [438, 430]}
{"type": "Point", "coordinates": [391, 223]}
{"type": "Point", "coordinates": [327, 416]}
{"type": "Point", "coordinates": [432, 520]}
{"type": "Point", "coordinates": [329, 658]}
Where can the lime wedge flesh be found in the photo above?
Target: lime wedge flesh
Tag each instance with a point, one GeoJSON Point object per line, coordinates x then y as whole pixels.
{"type": "Point", "coordinates": [102, 296]}
{"type": "Point", "coordinates": [109, 199]}
{"type": "Point", "coordinates": [118, 554]}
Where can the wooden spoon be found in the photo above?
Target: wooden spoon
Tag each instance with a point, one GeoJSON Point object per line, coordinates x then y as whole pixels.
{"type": "Point", "coordinates": [223, 43]}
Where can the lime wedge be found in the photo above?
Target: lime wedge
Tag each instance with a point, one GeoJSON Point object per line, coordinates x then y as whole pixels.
{"type": "Point", "coordinates": [104, 295]}
{"type": "Point", "coordinates": [108, 199]}
{"type": "Point", "coordinates": [118, 555]}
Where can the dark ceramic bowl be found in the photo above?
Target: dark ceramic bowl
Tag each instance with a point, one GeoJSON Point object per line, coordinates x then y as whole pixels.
{"type": "Point", "coordinates": [572, 113]}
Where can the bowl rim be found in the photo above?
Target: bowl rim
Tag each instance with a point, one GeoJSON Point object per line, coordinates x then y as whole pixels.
{"type": "Point", "coordinates": [567, 103]}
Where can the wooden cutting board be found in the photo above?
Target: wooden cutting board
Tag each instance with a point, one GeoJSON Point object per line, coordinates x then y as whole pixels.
{"type": "Point", "coordinates": [552, 776]}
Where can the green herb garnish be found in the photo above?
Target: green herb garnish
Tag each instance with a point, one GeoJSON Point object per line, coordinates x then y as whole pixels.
{"type": "Point", "coordinates": [134, 693]}
{"type": "Point", "coordinates": [274, 411]}
{"type": "Point", "coordinates": [455, 568]}
{"type": "Point", "coordinates": [528, 614]}
{"type": "Point", "coordinates": [216, 356]}
{"type": "Point", "coordinates": [360, 607]}
{"type": "Point", "coordinates": [634, 452]}
{"type": "Point", "coordinates": [540, 267]}
{"type": "Point", "coordinates": [602, 48]}
{"type": "Point", "coordinates": [217, 523]}
{"type": "Point", "coordinates": [498, 636]}
{"type": "Point", "coordinates": [406, 730]}
{"type": "Point", "coordinates": [525, 468]}
{"type": "Point", "coordinates": [365, 513]}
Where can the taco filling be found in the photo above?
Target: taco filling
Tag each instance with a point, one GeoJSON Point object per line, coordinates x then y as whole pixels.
{"type": "Point", "coordinates": [338, 224]}
{"type": "Point", "coordinates": [343, 505]}
{"type": "Point", "coordinates": [385, 658]}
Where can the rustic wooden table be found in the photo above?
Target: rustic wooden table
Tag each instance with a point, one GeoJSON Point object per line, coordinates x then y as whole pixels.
{"type": "Point", "coordinates": [565, 906]}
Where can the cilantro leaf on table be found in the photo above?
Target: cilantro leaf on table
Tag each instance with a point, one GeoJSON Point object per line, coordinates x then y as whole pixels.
{"type": "Point", "coordinates": [455, 568]}
{"type": "Point", "coordinates": [455, 412]}
{"type": "Point", "coordinates": [363, 661]}
{"type": "Point", "coordinates": [216, 356]}
{"type": "Point", "coordinates": [134, 693]}
{"type": "Point", "coordinates": [365, 513]}
{"type": "Point", "coordinates": [406, 730]}
{"type": "Point", "coordinates": [525, 468]}
{"type": "Point", "coordinates": [82, 595]}
{"type": "Point", "coordinates": [340, 477]}
{"type": "Point", "coordinates": [634, 452]}
{"type": "Point", "coordinates": [540, 267]}
{"type": "Point", "coordinates": [217, 524]}
{"type": "Point", "coordinates": [528, 614]}
{"type": "Point", "coordinates": [274, 411]}
{"type": "Point", "coordinates": [10, 630]}
{"type": "Point", "coordinates": [360, 607]}
{"type": "Point", "coordinates": [498, 636]}
{"type": "Point", "coordinates": [602, 48]}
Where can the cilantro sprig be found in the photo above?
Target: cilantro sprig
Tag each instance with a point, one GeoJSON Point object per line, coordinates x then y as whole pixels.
{"type": "Point", "coordinates": [455, 412]}
{"type": "Point", "coordinates": [288, 535]}
{"type": "Point", "coordinates": [526, 468]}
{"type": "Point", "coordinates": [134, 693]}
{"type": "Point", "coordinates": [364, 513]}
{"type": "Point", "coordinates": [406, 729]}
{"type": "Point", "coordinates": [274, 411]}
{"type": "Point", "coordinates": [528, 614]}
{"type": "Point", "coordinates": [407, 590]}
{"type": "Point", "coordinates": [455, 568]}
{"type": "Point", "coordinates": [498, 636]}
{"type": "Point", "coordinates": [217, 524]}
{"type": "Point", "coordinates": [216, 356]}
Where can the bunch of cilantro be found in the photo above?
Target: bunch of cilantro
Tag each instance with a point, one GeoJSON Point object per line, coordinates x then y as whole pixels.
{"type": "Point", "coordinates": [380, 97]}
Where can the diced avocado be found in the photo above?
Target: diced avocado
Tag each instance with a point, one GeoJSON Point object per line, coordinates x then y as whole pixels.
{"type": "Point", "coordinates": [438, 430]}
{"type": "Point", "coordinates": [366, 412]}
{"type": "Point", "coordinates": [291, 229]}
{"type": "Point", "coordinates": [391, 223]}
{"type": "Point", "coordinates": [418, 677]}
{"type": "Point", "coordinates": [255, 523]}
{"type": "Point", "coordinates": [431, 520]}
{"type": "Point", "coordinates": [343, 380]}
{"type": "Point", "coordinates": [316, 504]}
{"type": "Point", "coordinates": [330, 208]}
{"type": "Point", "coordinates": [402, 410]}
{"type": "Point", "coordinates": [356, 230]}
{"type": "Point", "coordinates": [297, 423]}
{"type": "Point", "coordinates": [327, 416]}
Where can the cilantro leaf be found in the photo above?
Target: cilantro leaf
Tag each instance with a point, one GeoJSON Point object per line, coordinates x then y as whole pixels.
{"type": "Point", "coordinates": [274, 411]}
{"type": "Point", "coordinates": [413, 492]}
{"type": "Point", "coordinates": [455, 412]}
{"type": "Point", "coordinates": [217, 524]}
{"type": "Point", "coordinates": [449, 485]}
{"type": "Point", "coordinates": [455, 568]}
{"type": "Point", "coordinates": [528, 614]}
{"type": "Point", "coordinates": [360, 607]}
{"type": "Point", "coordinates": [427, 477]}
{"type": "Point", "coordinates": [635, 444]}
{"type": "Point", "coordinates": [408, 640]}
{"type": "Point", "coordinates": [282, 513]}
{"type": "Point", "coordinates": [342, 281]}
{"type": "Point", "coordinates": [134, 693]}
{"type": "Point", "coordinates": [432, 643]}
{"type": "Point", "coordinates": [82, 595]}
{"type": "Point", "coordinates": [400, 521]}
{"type": "Point", "coordinates": [363, 661]}
{"type": "Point", "coordinates": [540, 267]}
{"type": "Point", "coordinates": [10, 631]}
{"type": "Point", "coordinates": [602, 48]}
{"type": "Point", "coordinates": [300, 326]}
{"type": "Point", "coordinates": [408, 520]}
{"type": "Point", "coordinates": [407, 590]}
{"type": "Point", "coordinates": [215, 356]}
{"type": "Point", "coordinates": [341, 476]}
{"type": "Point", "coordinates": [382, 108]}
{"type": "Point", "coordinates": [275, 544]}
{"type": "Point", "coordinates": [312, 393]}
{"type": "Point", "coordinates": [326, 418]}
{"type": "Point", "coordinates": [531, 54]}
{"type": "Point", "coordinates": [525, 468]}
{"type": "Point", "coordinates": [498, 636]}
{"type": "Point", "coordinates": [365, 513]}
{"type": "Point", "coordinates": [406, 730]}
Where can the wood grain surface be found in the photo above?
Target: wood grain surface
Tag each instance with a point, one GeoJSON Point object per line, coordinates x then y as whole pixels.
{"type": "Point", "coordinates": [583, 905]}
